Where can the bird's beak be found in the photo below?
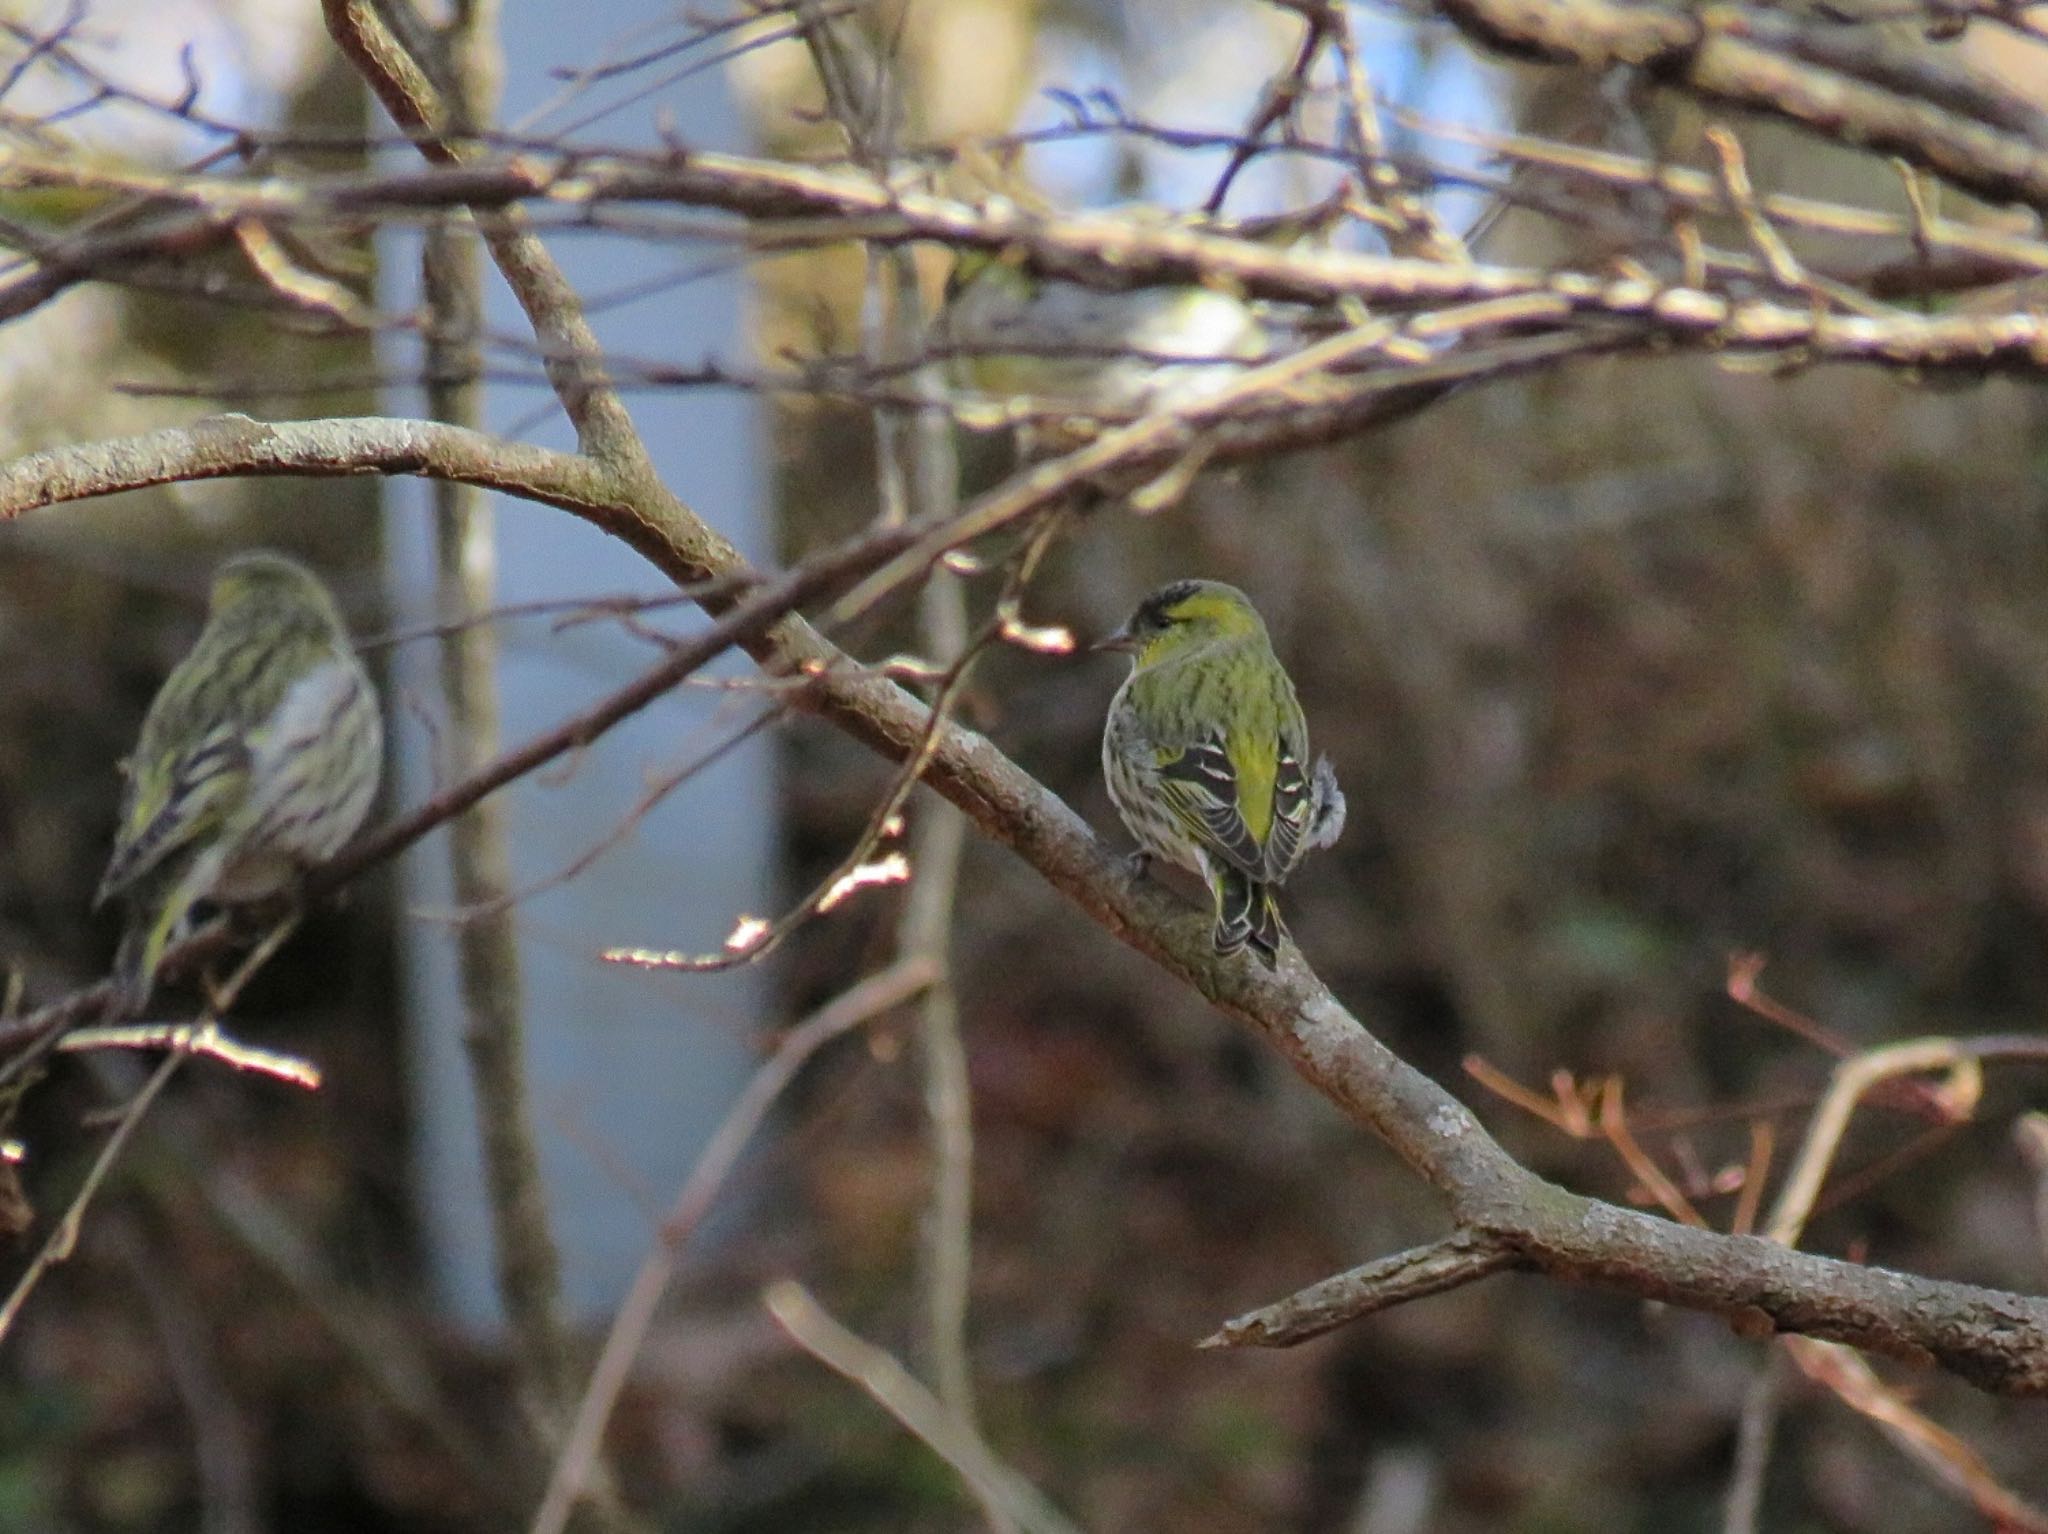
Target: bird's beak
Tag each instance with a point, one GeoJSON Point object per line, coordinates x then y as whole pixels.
{"type": "Point", "coordinates": [1120, 642]}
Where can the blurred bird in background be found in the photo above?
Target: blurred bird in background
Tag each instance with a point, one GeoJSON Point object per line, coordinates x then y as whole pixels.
{"type": "Point", "coordinates": [258, 760]}
{"type": "Point", "coordinates": [1026, 341]}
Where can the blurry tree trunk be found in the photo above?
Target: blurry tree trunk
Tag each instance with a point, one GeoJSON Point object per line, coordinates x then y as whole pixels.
{"type": "Point", "coordinates": [487, 941]}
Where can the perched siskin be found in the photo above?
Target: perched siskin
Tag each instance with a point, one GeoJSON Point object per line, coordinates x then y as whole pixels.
{"type": "Point", "coordinates": [1058, 345]}
{"type": "Point", "coordinates": [1204, 751]}
{"type": "Point", "coordinates": [258, 760]}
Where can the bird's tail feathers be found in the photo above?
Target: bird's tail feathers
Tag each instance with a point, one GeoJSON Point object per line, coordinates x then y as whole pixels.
{"type": "Point", "coordinates": [151, 930]}
{"type": "Point", "coordinates": [1246, 913]}
{"type": "Point", "coordinates": [134, 970]}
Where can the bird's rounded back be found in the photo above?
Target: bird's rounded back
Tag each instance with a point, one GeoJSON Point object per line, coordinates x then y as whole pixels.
{"type": "Point", "coordinates": [263, 576]}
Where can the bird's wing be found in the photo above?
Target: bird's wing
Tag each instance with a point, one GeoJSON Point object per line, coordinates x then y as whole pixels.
{"type": "Point", "coordinates": [1292, 803]}
{"type": "Point", "coordinates": [1200, 785]}
{"type": "Point", "coordinates": [1243, 793]}
{"type": "Point", "coordinates": [173, 800]}
{"type": "Point", "coordinates": [191, 768]}
{"type": "Point", "coordinates": [1210, 799]}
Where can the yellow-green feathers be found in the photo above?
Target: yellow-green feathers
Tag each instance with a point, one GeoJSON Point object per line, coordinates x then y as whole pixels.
{"type": "Point", "coordinates": [1206, 750]}
{"type": "Point", "coordinates": [258, 759]}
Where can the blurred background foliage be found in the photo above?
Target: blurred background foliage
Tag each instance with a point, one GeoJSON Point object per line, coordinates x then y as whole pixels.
{"type": "Point", "coordinates": [1627, 668]}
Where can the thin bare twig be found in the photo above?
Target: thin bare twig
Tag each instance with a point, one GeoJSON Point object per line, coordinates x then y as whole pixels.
{"type": "Point", "coordinates": [1005, 1496]}
{"type": "Point", "coordinates": [850, 1009]}
{"type": "Point", "coordinates": [229, 1498]}
{"type": "Point", "coordinates": [204, 1039]}
{"type": "Point", "coordinates": [753, 938]}
{"type": "Point", "coordinates": [1733, 166]}
{"type": "Point", "coordinates": [1615, 1126]}
{"type": "Point", "coordinates": [2030, 1133]}
{"type": "Point", "coordinates": [1409, 224]}
{"type": "Point", "coordinates": [1946, 1457]}
{"type": "Point", "coordinates": [1276, 104]}
{"type": "Point", "coordinates": [1451, 1263]}
{"type": "Point", "coordinates": [1753, 1432]}
{"type": "Point", "coordinates": [628, 820]}
{"type": "Point", "coordinates": [63, 1240]}
{"type": "Point", "coordinates": [1853, 1079]}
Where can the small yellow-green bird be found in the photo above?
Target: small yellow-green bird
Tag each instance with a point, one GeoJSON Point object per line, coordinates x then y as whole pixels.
{"type": "Point", "coordinates": [258, 760]}
{"type": "Point", "coordinates": [1031, 341]}
{"type": "Point", "coordinates": [1206, 754]}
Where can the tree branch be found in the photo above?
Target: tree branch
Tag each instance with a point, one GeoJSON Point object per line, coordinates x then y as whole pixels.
{"type": "Point", "coordinates": [1996, 1340]}
{"type": "Point", "coordinates": [236, 447]}
{"type": "Point", "coordinates": [1859, 90]}
{"type": "Point", "coordinates": [812, 206]}
{"type": "Point", "coordinates": [1986, 142]}
{"type": "Point", "coordinates": [490, 988]}
{"type": "Point", "coordinates": [1414, 1274]}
